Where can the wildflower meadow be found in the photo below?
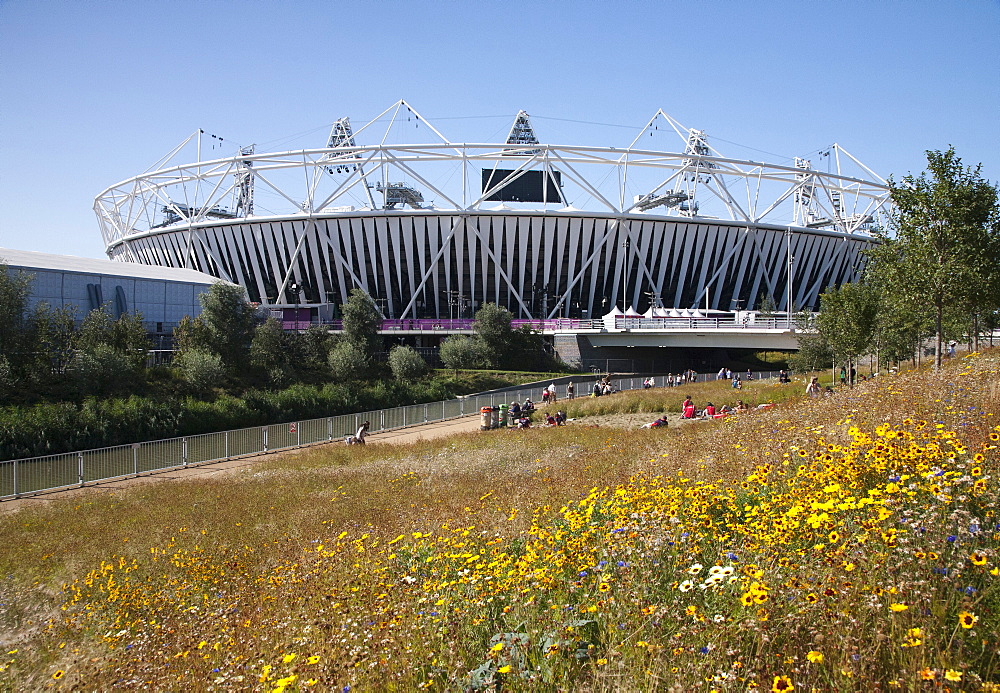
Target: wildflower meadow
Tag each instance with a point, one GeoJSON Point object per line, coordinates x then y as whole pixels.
{"type": "Point", "coordinates": [837, 544]}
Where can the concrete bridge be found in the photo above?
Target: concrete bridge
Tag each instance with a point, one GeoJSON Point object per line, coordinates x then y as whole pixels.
{"type": "Point", "coordinates": [739, 330]}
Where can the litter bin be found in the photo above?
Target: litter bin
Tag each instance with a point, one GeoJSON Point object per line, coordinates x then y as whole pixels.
{"type": "Point", "coordinates": [487, 414]}
{"type": "Point", "coordinates": [503, 415]}
{"type": "Point", "coordinates": [495, 420]}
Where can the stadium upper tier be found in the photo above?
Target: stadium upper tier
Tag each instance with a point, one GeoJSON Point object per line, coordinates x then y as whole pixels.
{"type": "Point", "coordinates": [436, 229]}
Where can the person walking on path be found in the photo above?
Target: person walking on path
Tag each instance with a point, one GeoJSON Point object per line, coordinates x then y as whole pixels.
{"type": "Point", "coordinates": [569, 389]}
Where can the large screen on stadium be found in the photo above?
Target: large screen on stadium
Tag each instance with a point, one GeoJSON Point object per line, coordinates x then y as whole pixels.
{"type": "Point", "coordinates": [529, 186]}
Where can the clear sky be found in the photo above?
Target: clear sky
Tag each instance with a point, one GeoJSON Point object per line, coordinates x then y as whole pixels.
{"type": "Point", "coordinates": [95, 92]}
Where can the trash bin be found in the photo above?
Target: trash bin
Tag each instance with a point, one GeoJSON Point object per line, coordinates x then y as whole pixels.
{"type": "Point", "coordinates": [503, 415]}
{"type": "Point", "coordinates": [487, 414]}
{"type": "Point", "coordinates": [496, 417]}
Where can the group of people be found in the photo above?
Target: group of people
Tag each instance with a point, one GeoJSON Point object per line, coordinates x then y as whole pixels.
{"type": "Point", "coordinates": [549, 393]}
{"type": "Point", "coordinates": [603, 387]}
{"type": "Point", "coordinates": [678, 379]}
{"type": "Point", "coordinates": [690, 411]}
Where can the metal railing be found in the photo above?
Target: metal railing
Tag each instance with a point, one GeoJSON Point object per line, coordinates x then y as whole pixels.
{"type": "Point", "coordinates": [32, 475]}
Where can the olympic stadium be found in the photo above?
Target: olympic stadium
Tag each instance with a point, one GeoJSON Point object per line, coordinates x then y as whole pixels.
{"type": "Point", "coordinates": [432, 229]}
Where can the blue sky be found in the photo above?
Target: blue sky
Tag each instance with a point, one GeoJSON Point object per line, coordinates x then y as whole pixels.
{"type": "Point", "coordinates": [94, 92]}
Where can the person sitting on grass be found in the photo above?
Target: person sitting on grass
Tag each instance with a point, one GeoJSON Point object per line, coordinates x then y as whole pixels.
{"type": "Point", "coordinates": [549, 419]}
{"type": "Point", "coordinates": [709, 411]}
{"type": "Point", "coordinates": [741, 406]}
{"type": "Point", "coordinates": [688, 409]}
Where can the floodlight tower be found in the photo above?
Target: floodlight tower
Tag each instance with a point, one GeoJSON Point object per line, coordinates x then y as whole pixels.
{"type": "Point", "coordinates": [521, 134]}
{"type": "Point", "coordinates": [687, 185]}
{"type": "Point", "coordinates": [342, 136]}
{"type": "Point", "coordinates": [244, 184]}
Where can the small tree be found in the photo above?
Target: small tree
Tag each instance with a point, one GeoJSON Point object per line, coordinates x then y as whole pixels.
{"type": "Point", "coordinates": [15, 288]}
{"type": "Point", "coordinates": [103, 370]}
{"type": "Point", "coordinates": [54, 333]}
{"type": "Point", "coordinates": [191, 334]}
{"type": "Point", "coordinates": [814, 351]}
{"type": "Point", "coordinates": [847, 321]}
{"type": "Point", "coordinates": [943, 256]}
{"type": "Point", "coordinates": [406, 363]}
{"type": "Point", "coordinates": [347, 362]}
{"type": "Point", "coordinates": [461, 352]}
{"type": "Point", "coordinates": [230, 321]}
{"type": "Point", "coordinates": [499, 340]}
{"type": "Point", "coordinates": [362, 322]}
{"type": "Point", "coordinates": [269, 351]}
{"type": "Point", "coordinates": [202, 371]}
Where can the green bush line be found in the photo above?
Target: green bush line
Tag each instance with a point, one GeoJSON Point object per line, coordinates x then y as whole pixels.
{"type": "Point", "coordinates": [51, 428]}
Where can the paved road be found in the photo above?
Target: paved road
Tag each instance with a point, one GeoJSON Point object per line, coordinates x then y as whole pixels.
{"type": "Point", "coordinates": [406, 435]}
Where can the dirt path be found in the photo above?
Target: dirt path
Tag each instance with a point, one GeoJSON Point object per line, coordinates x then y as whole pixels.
{"type": "Point", "coordinates": [426, 431]}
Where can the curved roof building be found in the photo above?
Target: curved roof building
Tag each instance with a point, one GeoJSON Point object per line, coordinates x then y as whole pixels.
{"type": "Point", "coordinates": [431, 228]}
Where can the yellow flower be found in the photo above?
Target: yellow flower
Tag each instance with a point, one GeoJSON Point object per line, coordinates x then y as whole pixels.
{"type": "Point", "coordinates": [313, 660]}
{"type": "Point", "coordinates": [967, 619]}
{"type": "Point", "coordinates": [781, 684]}
{"type": "Point", "coordinates": [815, 657]}
{"type": "Point", "coordinates": [601, 662]}
{"type": "Point", "coordinates": [58, 675]}
{"type": "Point", "coordinates": [898, 607]}
{"type": "Point", "coordinates": [497, 647]}
{"type": "Point", "coordinates": [927, 674]}
{"type": "Point", "coordinates": [953, 675]}
{"type": "Point", "coordinates": [288, 658]}
{"type": "Point", "coordinates": [504, 669]}
{"type": "Point", "coordinates": [978, 558]}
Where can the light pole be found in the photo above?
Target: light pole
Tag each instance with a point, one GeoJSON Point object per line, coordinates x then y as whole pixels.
{"type": "Point", "coordinates": [788, 303]}
{"type": "Point", "coordinates": [625, 275]}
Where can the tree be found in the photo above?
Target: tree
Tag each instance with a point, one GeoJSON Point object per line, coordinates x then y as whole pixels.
{"type": "Point", "coordinates": [461, 352]}
{"type": "Point", "coordinates": [110, 354]}
{"type": "Point", "coordinates": [191, 334]}
{"type": "Point", "coordinates": [814, 351]}
{"type": "Point", "coordinates": [406, 363]}
{"type": "Point", "coordinates": [362, 322]}
{"type": "Point", "coordinates": [15, 288]}
{"type": "Point", "coordinates": [943, 256]}
{"type": "Point", "coordinates": [202, 371]}
{"type": "Point", "coordinates": [847, 321]}
{"type": "Point", "coordinates": [229, 320]}
{"type": "Point", "coordinates": [499, 340]}
{"type": "Point", "coordinates": [312, 348]}
{"type": "Point", "coordinates": [347, 362]}
{"type": "Point", "coordinates": [53, 332]}
{"type": "Point", "coordinates": [269, 351]}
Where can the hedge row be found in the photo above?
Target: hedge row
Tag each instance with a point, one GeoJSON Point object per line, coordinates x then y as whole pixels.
{"type": "Point", "coordinates": [45, 429]}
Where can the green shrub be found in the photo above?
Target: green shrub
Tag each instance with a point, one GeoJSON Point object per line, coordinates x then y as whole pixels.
{"type": "Point", "coordinates": [406, 364]}
{"type": "Point", "coordinates": [202, 371]}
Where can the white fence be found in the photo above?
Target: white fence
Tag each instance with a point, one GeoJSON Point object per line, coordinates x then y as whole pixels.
{"type": "Point", "coordinates": [34, 475]}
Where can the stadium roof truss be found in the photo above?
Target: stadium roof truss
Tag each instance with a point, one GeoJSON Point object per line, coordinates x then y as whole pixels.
{"type": "Point", "coordinates": [696, 181]}
{"type": "Point", "coordinates": [617, 220]}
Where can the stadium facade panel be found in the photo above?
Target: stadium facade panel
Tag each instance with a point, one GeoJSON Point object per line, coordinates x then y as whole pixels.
{"type": "Point", "coordinates": [416, 263]}
{"type": "Point", "coordinates": [436, 229]}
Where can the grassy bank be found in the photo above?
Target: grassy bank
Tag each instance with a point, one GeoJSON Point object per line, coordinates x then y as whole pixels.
{"type": "Point", "coordinates": [848, 543]}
